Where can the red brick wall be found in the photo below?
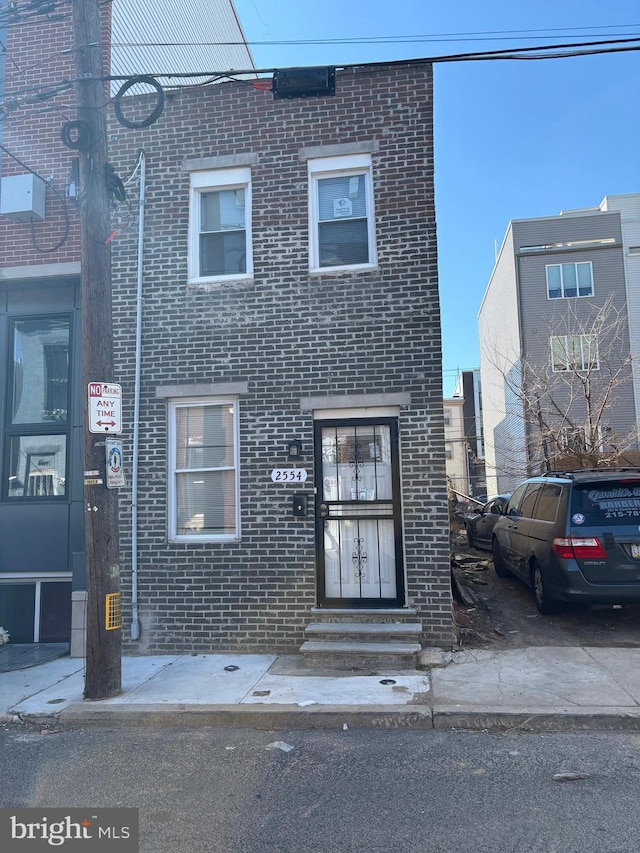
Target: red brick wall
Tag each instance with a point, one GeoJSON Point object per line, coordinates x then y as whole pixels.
{"type": "Point", "coordinates": [39, 56]}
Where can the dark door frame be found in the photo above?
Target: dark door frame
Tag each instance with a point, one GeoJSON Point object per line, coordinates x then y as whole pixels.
{"type": "Point", "coordinates": [396, 500]}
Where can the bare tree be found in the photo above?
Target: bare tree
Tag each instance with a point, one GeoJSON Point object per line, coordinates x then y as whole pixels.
{"type": "Point", "coordinates": [566, 399]}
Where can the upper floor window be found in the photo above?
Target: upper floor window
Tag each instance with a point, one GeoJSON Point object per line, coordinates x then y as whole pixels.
{"type": "Point", "coordinates": [341, 220]}
{"type": "Point", "coordinates": [574, 352]}
{"type": "Point", "coordinates": [220, 225]}
{"type": "Point", "coordinates": [203, 459]}
{"type": "Point", "coordinates": [447, 417]}
{"type": "Point", "coordinates": [566, 280]}
{"type": "Point", "coordinates": [448, 451]}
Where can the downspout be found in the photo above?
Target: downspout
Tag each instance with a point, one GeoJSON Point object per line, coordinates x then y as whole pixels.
{"type": "Point", "coordinates": [135, 623]}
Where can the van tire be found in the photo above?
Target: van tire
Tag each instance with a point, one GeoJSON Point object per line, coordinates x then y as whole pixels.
{"type": "Point", "coordinates": [470, 538]}
{"type": "Point", "coordinates": [498, 561]}
{"type": "Point", "coordinates": [545, 603]}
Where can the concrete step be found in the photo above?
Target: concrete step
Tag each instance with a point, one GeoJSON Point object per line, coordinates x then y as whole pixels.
{"type": "Point", "coordinates": [372, 615]}
{"type": "Point", "coordinates": [359, 654]}
{"type": "Point", "coordinates": [362, 631]}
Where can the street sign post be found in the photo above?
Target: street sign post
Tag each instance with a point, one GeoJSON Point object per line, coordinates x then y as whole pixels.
{"type": "Point", "coordinates": [105, 407]}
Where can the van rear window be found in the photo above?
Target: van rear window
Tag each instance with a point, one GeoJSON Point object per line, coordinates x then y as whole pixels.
{"type": "Point", "coordinates": [610, 501]}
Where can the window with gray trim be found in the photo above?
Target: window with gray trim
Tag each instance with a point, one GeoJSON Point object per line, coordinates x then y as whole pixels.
{"type": "Point", "coordinates": [203, 456]}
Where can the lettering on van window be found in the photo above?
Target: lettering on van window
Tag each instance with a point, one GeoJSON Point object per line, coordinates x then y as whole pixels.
{"type": "Point", "coordinates": [617, 503]}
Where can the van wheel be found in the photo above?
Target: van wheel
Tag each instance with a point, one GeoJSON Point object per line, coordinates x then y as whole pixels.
{"type": "Point", "coordinates": [546, 603]}
{"type": "Point", "coordinates": [469, 537]}
{"type": "Point", "coordinates": [498, 562]}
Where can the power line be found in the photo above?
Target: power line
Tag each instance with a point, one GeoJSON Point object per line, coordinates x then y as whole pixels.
{"type": "Point", "coordinates": [38, 95]}
{"type": "Point", "coordinates": [482, 35]}
{"type": "Point", "coordinates": [28, 11]}
{"type": "Point", "coordinates": [551, 52]}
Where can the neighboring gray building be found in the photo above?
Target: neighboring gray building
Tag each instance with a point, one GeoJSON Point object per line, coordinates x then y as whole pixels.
{"type": "Point", "coordinates": [553, 279]}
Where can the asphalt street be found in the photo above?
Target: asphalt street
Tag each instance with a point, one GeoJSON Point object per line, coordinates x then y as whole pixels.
{"type": "Point", "coordinates": [243, 791]}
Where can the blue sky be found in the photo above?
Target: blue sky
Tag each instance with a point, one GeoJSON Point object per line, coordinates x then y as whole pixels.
{"type": "Point", "coordinates": [512, 139]}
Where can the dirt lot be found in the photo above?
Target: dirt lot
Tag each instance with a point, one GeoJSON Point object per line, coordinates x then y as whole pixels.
{"type": "Point", "coordinates": [503, 614]}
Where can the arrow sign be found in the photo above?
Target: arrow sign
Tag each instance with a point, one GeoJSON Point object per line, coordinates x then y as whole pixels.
{"type": "Point", "coordinates": [105, 407]}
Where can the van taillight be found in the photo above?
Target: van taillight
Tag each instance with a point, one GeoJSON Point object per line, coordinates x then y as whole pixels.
{"type": "Point", "coordinates": [578, 548]}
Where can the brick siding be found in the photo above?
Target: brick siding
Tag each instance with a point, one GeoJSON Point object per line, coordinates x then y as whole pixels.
{"type": "Point", "coordinates": [288, 335]}
{"type": "Point", "coordinates": [39, 56]}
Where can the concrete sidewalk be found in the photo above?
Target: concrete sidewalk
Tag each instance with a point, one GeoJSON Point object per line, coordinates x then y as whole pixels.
{"type": "Point", "coordinates": [532, 689]}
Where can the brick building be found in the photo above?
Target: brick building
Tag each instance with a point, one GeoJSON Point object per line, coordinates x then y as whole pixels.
{"type": "Point", "coordinates": [289, 329]}
{"type": "Point", "coordinates": [41, 399]}
{"type": "Point", "coordinates": [290, 464]}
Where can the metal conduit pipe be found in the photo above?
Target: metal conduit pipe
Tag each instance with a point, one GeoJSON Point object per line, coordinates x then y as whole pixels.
{"type": "Point", "coordinates": [135, 623]}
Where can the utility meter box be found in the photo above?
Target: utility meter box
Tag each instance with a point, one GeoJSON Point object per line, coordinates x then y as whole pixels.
{"type": "Point", "coordinates": [22, 198]}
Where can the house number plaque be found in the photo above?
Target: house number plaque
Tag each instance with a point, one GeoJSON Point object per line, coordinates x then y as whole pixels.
{"type": "Point", "coordinates": [289, 475]}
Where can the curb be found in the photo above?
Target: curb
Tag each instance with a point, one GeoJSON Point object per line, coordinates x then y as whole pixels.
{"type": "Point", "coordinates": [249, 716]}
{"type": "Point", "coordinates": [539, 720]}
{"type": "Point", "coordinates": [279, 717]}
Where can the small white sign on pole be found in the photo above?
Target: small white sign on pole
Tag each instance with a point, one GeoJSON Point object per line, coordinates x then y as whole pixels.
{"type": "Point", "coordinates": [105, 407]}
{"type": "Point", "coordinates": [115, 469]}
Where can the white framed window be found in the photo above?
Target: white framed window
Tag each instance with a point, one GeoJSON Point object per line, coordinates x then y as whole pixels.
{"type": "Point", "coordinates": [203, 469]}
{"type": "Point", "coordinates": [220, 225]}
{"type": "Point", "coordinates": [341, 213]}
{"type": "Point", "coordinates": [574, 352]}
{"type": "Point", "coordinates": [448, 451]}
{"type": "Point", "coordinates": [569, 280]}
{"type": "Point", "coordinates": [447, 417]}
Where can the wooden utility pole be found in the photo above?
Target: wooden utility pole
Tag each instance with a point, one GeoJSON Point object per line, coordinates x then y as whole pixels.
{"type": "Point", "coordinates": [104, 635]}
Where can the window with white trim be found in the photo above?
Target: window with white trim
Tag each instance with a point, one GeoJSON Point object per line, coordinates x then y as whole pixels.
{"type": "Point", "coordinates": [220, 225]}
{"type": "Point", "coordinates": [341, 218]}
{"type": "Point", "coordinates": [203, 462]}
{"type": "Point", "coordinates": [574, 352]}
{"type": "Point", "coordinates": [569, 280]}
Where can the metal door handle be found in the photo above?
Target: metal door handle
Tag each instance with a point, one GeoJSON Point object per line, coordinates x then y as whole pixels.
{"type": "Point", "coordinates": [324, 510]}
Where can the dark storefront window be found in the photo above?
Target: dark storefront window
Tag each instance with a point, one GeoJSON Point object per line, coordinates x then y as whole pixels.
{"type": "Point", "coordinates": [55, 612]}
{"type": "Point", "coordinates": [17, 608]}
{"type": "Point", "coordinates": [37, 432]}
{"type": "Point", "coordinates": [45, 605]}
